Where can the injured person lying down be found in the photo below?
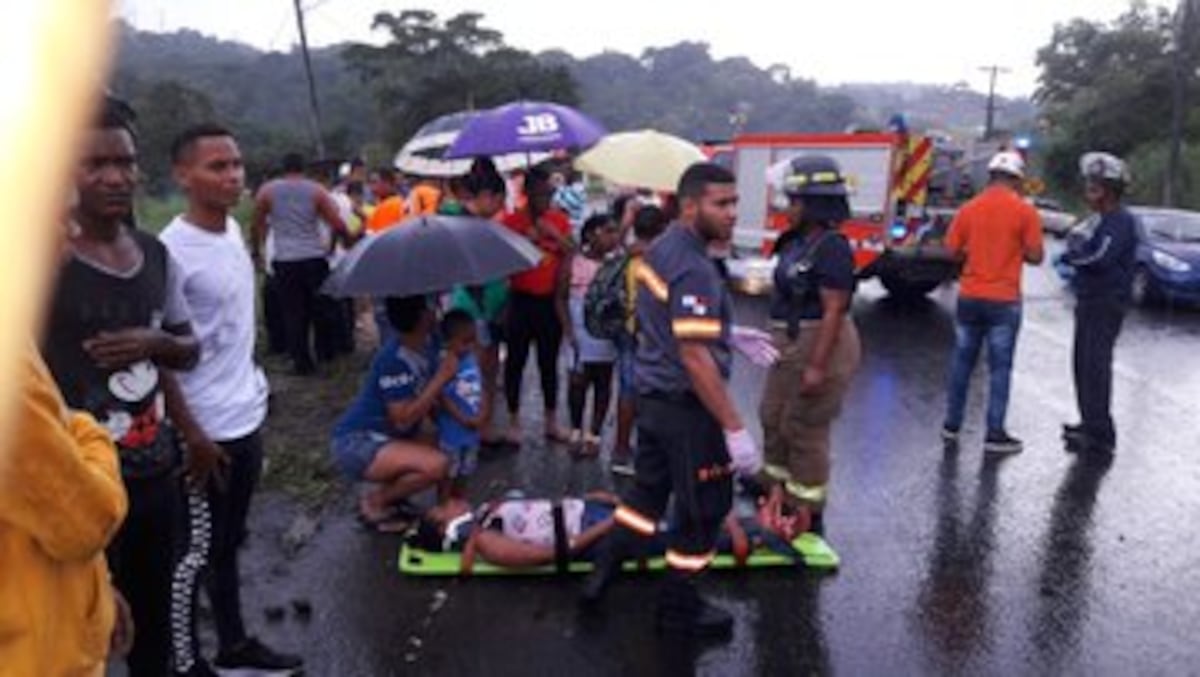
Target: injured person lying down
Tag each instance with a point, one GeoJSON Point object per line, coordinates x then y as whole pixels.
{"type": "Point", "coordinates": [521, 533]}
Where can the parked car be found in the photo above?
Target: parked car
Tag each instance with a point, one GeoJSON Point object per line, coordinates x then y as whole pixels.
{"type": "Point", "coordinates": [1056, 220]}
{"type": "Point", "coordinates": [1168, 255]}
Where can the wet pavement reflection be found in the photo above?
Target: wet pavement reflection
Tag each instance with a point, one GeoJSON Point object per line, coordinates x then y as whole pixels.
{"type": "Point", "coordinates": [953, 563]}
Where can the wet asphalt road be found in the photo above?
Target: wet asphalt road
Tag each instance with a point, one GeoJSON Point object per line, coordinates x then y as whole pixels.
{"type": "Point", "coordinates": [952, 564]}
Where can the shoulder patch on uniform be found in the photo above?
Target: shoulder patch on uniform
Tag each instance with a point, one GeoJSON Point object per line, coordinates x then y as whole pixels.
{"type": "Point", "coordinates": [697, 305]}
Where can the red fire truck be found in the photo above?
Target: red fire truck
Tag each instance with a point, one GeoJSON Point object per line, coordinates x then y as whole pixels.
{"type": "Point", "coordinates": [895, 227]}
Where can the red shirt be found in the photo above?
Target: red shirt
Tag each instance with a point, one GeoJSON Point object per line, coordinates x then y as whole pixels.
{"type": "Point", "coordinates": [541, 280]}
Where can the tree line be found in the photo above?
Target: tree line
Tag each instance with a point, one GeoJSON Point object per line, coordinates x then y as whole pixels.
{"type": "Point", "coordinates": [372, 98]}
{"type": "Point", "coordinates": [1110, 85]}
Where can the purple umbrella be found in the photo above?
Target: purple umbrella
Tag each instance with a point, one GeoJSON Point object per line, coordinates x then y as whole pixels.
{"type": "Point", "coordinates": [525, 127]}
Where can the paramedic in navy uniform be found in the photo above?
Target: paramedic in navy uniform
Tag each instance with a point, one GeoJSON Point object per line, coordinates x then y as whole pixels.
{"type": "Point", "coordinates": [691, 439]}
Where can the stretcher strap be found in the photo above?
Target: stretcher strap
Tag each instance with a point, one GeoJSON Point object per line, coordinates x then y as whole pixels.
{"type": "Point", "coordinates": [562, 545]}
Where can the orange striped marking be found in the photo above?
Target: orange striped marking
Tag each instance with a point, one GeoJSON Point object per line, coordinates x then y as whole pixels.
{"type": "Point", "coordinates": [689, 563]}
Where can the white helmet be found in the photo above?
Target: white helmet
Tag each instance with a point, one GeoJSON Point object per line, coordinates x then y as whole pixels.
{"type": "Point", "coordinates": [1008, 162]}
{"type": "Point", "coordinates": [1104, 167]}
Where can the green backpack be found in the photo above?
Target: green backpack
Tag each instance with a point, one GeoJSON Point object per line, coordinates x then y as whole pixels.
{"type": "Point", "coordinates": [606, 306]}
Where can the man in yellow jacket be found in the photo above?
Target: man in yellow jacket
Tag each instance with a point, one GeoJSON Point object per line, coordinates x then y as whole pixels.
{"type": "Point", "coordinates": [61, 501]}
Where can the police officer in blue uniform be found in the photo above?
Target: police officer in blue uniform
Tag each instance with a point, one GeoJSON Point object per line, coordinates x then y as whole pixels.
{"type": "Point", "coordinates": [1104, 260]}
{"type": "Point", "coordinates": [691, 439]}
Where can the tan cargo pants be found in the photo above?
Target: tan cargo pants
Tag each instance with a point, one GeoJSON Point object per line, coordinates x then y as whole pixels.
{"type": "Point", "coordinates": [796, 427]}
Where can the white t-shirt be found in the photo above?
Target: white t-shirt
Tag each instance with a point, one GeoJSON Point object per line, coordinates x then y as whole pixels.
{"type": "Point", "coordinates": [226, 391]}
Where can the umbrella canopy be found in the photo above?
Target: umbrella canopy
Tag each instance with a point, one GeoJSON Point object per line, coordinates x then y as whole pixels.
{"type": "Point", "coordinates": [526, 127]}
{"type": "Point", "coordinates": [430, 254]}
{"type": "Point", "coordinates": [423, 154]}
{"type": "Point", "coordinates": [641, 159]}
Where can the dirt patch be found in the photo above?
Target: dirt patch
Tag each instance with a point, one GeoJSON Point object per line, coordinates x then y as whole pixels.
{"type": "Point", "coordinates": [303, 413]}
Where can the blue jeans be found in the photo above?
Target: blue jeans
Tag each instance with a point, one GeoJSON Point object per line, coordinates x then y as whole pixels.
{"type": "Point", "coordinates": [998, 325]}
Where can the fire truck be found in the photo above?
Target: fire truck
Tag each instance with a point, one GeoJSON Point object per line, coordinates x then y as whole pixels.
{"type": "Point", "coordinates": [898, 218]}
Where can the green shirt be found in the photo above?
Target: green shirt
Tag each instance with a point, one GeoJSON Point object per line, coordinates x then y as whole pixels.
{"type": "Point", "coordinates": [487, 305]}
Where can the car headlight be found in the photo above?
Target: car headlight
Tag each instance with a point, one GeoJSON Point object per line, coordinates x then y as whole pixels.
{"type": "Point", "coordinates": [1171, 263]}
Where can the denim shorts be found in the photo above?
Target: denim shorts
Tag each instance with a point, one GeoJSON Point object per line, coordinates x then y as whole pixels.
{"type": "Point", "coordinates": [463, 460]}
{"type": "Point", "coordinates": [626, 362]}
{"type": "Point", "coordinates": [355, 451]}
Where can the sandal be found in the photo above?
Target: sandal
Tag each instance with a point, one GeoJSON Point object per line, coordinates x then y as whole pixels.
{"type": "Point", "coordinates": [591, 446]}
{"type": "Point", "coordinates": [395, 519]}
{"type": "Point", "coordinates": [555, 435]}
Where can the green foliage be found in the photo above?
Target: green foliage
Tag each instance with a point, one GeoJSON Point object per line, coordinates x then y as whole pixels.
{"type": "Point", "coordinates": [373, 97]}
{"type": "Point", "coordinates": [165, 108]}
{"type": "Point", "coordinates": [1148, 163]}
{"type": "Point", "coordinates": [1108, 86]}
{"type": "Point", "coordinates": [683, 90]}
{"type": "Point", "coordinates": [431, 68]}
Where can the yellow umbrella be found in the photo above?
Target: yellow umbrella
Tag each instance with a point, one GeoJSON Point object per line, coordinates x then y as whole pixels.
{"type": "Point", "coordinates": [642, 159]}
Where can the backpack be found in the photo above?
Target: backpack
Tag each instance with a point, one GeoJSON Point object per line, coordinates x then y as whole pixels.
{"type": "Point", "coordinates": [606, 306]}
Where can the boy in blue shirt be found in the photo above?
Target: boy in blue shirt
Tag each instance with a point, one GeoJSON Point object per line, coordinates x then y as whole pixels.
{"type": "Point", "coordinates": [460, 415]}
{"type": "Point", "coordinates": [378, 439]}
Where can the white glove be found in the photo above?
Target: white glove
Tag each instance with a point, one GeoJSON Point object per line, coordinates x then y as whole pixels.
{"type": "Point", "coordinates": [755, 344]}
{"type": "Point", "coordinates": [744, 454]}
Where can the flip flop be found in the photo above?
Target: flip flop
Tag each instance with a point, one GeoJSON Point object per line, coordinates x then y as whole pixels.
{"type": "Point", "coordinates": [396, 519]}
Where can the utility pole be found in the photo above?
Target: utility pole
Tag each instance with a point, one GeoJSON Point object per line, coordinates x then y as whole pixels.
{"type": "Point", "coordinates": [989, 128]}
{"type": "Point", "coordinates": [314, 111]}
{"type": "Point", "coordinates": [1179, 77]}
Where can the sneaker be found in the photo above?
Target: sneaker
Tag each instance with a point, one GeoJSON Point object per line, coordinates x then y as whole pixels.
{"type": "Point", "coordinates": [1002, 443]}
{"type": "Point", "coordinates": [252, 657]}
{"type": "Point", "coordinates": [622, 464]}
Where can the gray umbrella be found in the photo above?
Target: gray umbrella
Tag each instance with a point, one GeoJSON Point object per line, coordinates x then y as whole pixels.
{"type": "Point", "coordinates": [431, 254]}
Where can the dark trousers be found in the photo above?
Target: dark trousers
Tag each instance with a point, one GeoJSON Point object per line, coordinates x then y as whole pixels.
{"type": "Point", "coordinates": [141, 558]}
{"type": "Point", "coordinates": [230, 508]}
{"type": "Point", "coordinates": [272, 304]}
{"type": "Point", "coordinates": [681, 451]}
{"type": "Point", "coordinates": [532, 320]}
{"type": "Point", "coordinates": [305, 312]}
{"type": "Point", "coordinates": [1097, 325]}
{"type": "Point", "coordinates": [185, 585]}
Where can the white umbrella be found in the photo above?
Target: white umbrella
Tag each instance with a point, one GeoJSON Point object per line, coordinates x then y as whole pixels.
{"type": "Point", "coordinates": [422, 154]}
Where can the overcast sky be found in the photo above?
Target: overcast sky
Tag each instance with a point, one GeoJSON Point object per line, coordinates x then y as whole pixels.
{"type": "Point", "coordinates": [832, 41]}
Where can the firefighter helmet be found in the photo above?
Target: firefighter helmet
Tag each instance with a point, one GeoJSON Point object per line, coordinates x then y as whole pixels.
{"type": "Point", "coordinates": [813, 175]}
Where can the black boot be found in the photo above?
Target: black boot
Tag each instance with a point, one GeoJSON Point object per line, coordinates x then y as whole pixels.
{"type": "Point", "coordinates": [683, 612]}
{"type": "Point", "coordinates": [611, 553]}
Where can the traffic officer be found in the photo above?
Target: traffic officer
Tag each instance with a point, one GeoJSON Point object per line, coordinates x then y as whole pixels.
{"type": "Point", "coordinates": [1104, 262]}
{"type": "Point", "coordinates": [817, 342]}
{"type": "Point", "coordinates": [691, 439]}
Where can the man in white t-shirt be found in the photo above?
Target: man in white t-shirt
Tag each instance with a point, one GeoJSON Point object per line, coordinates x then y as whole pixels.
{"type": "Point", "coordinates": [226, 392]}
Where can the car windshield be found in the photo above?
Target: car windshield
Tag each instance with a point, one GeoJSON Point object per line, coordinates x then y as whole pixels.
{"type": "Point", "coordinates": [1172, 226]}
